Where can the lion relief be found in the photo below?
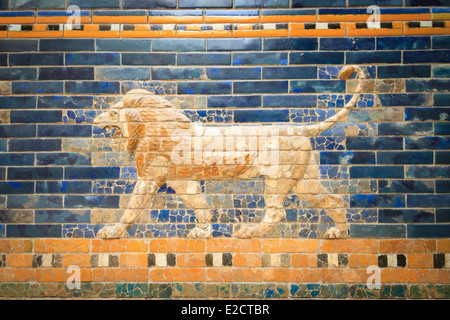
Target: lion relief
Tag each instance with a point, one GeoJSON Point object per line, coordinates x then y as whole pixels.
{"type": "Point", "coordinates": [170, 149]}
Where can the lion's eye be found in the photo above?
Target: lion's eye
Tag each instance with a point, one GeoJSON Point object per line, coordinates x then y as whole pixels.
{"type": "Point", "coordinates": [114, 115]}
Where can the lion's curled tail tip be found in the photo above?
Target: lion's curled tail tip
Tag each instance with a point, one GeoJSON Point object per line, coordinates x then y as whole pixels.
{"type": "Point", "coordinates": [346, 72]}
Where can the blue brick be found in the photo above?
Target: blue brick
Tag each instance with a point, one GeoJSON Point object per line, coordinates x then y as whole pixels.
{"type": "Point", "coordinates": [183, 13]}
{"type": "Point", "coordinates": [441, 71]}
{"type": "Point", "coordinates": [374, 143]}
{"type": "Point", "coordinates": [442, 157]}
{"type": "Point", "coordinates": [35, 173]}
{"type": "Point", "coordinates": [92, 87]}
{"type": "Point", "coordinates": [441, 42]}
{"type": "Point", "coordinates": [428, 230]}
{"type": "Point", "coordinates": [204, 59]}
{"type": "Point", "coordinates": [442, 215]}
{"type": "Point", "coordinates": [426, 114]}
{"type": "Point", "coordinates": [146, 59]}
{"type": "Point", "coordinates": [405, 216]}
{"type": "Point", "coordinates": [16, 187]}
{"type": "Point", "coordinates": [426, 56]}
{"type": "Point", "coordinates": [374, 57]}
{"type": "Point", "coordinates": [413, 71]}
{"type": "Point", "coordinates": [16, 159]}
{"type": "Point", "coordinates": [122, 73]}
{"type": "Point", "coordinates": [316, 58]}
{"type": "Point", "coordinates": [120, 45]}
{"type": "Point", "coordinates": [62, 216]}
{"type": "Point", "coordinates": [47, 116]}
{"type": "Point", "coordinates": [3, 59]}
{"type": "Point", "coordinates": [179, 45]}
{"type": "Point", "coordinates": [290, 101]}
{"type": "Point", "coordinates": [17, 102]}
{"type": "Point", "coordinates": [428, 172]}
{"type": "Point", "coordinates": [319, 86]}
{"type": "Point", "coordinates": [92, 173]}
{"type": "Point", "coordinates": [442, 186]}
{"type": "Point", "coordinates": [289, 73]}
{"type": "Point", "coordinates": [3, 145]}
{"type": "Point", "coordinates": [366, 3]}
{"type": "Point", "coordinates": [404, 129]}
{"type": "Point", "coordinates": [281, 115]}
{"type": "Point", "coordinates": [318, 3]}
{"type": "Point", "coordinates": [92, 58]}
{"type": "Point", "coordinates": [77, 187]}
{"type": "Point", "coordinates": [62, 45]}
{"type": "Point", "coordinates": [430, 143]}
{"type": "Point", "coordinates": [347, 157]}
{"type": "Point", "coordinates": [377, 200]}
{"type": "Point", "coordinates": [347, 44]}
{"type": "Point", "coordinates": [403, 43]}
{"type": "Point", "coordinates": [183, 4]}
{"type": "Point", "coordinates": [405, 157]}
{"type": "Point", "coordinates": [442, 128]}
{"type": "Point", "coordinates": [18, 73]}
{"type": "Point", "coordinates": [402, 99]}
{"type": "Point", "coordinates": [261, 3]}
{"type": "Point", "coordinates": [441, 99]}
{"type": "Point", "coordinates": [114, 4]}
{"type": "Point", "coordinates": [237, 101]}
{"type": "Point", "coordinates": [77, 73]}
{"type": "Point", "coordinates": [62, 159]}
{"type": "Point", "coordinates": [119, 13]}
{"type": "Point", "coordinates": [36, 59]}
{"type": "Point", "coordinates": [382, 172]}
{"type": "Point", "coordinates": [169, 73]}
{"type": "Point", "coordinates": [426, 3]}
{"type": "Point", "coordinates": [34, 145]}
{"type": "Point", "coordinates": [91, 201]}
{"type": "Point", "coordinates": [405, 186]}
{"type": "Point", "coordinates": [204, 87]}
{"type": "Point", "coordinates": [288, 44]}
{"type": "Point", "coordinates": [34, 202]}
{"type": "Point", "coordinates": [260, 87]}
{"type": "Point", "coordinates": [149, 4]}
{"type": "Point", "coordinates": [13, 45]}
{"type": "Point", "coordinates": [225, 73]}
{"type": "Point", "coordinates": [65, 130]}
{"type": "Point", "coordinates": [34, 231]}
{"type": "Point", "coordinates": [40, 87]}
{"type": "Point", "coordinates": [377, 231]}
{"type": "Point", "coordinates": [242, 44]}
{"type": "Point", "coordinates": [65, 102]}
{"type": "Point", "coordinates": [260, 58]}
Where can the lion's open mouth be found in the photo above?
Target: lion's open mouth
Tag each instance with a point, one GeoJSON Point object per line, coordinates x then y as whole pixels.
{"type": "Point", "coordinates": [112, 131]}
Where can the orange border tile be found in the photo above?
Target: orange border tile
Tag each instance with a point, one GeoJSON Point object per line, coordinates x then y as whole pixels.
{"type": "Point", "coordinates": [91, 34]}
{"type": "Point", "coordinates": [260, 33]}
{"type": "Point", "coordinates": [343, 17]}
{"type": "Point", "coordinates": [17, 20]}
{"type": "Point", "coordinates": [3, 34]}
{"type": "Point", "coordinates": [397, 30]}
{"type": "Point", "coordinates": [441, 16]}
{"type": "Point", "coordinates": [63, 20]}
{"type": "Point", "coordinates": [428, 31]}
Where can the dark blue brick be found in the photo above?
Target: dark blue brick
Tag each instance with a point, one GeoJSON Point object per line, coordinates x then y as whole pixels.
{"type": "Point", "coordinates": [18, 73]}
{"type": "Point", "coordinates": [318, 58]}
{"type": "Point", "coordinates": [78, 187]}
{"type": "Point", "coordinates": [405, 216]}
{"type": "Point", "coordinates": [441, 71]}
{"type": "Point", "coordinates": [204, 59]}
{"type": "Point", "coordinates": [148, 59]}
{"type": "Point", "coordinates": [441, 42]}
{"type": "Point", "coordinates": [169, 73]}
{"type": "Point", "coordinates": [381, 172]}
{"type": "Point", "coordinates": [36, 59]}
{"type": "Point", "coordinates": [92, 173]}
{"type": "Point", "coordinates": [377, 231]}
{"type": "Point", "coordinates": [3, 59]}
{"type": "Point", "coordinates": [430, 143]}
{"type": "Point", "coordinates": [405, 157]}
{"type": "Point", "coordinates": [413, 71]}
{"type": "Point", "coordinates": [366, 3]}
{"type": "Point", "coordinates": [3, 145]}
{"type": "Point", "coordinates": [441, 99]}
{"type": "Point", "coordinates": [260, 87]}
{"type": "Point", "coordinates": [34, 145]}
{"type": "Point", "coordinates": [347, 157]}
{"type": "Point", "coordinates": [119, 45]}
{"type": "Point", "coordinates": [47, 116]}
{"type": "Point", "coordinates": [2, 174]}
{"type": "Point", "coordinates": [319, 86]}
{"type": "Point", "coordinates": [14, 45]}
{"type": "Point", "coordinates": [35, 173]}
{"type": "Point", "coordinates": [290, 101]}
{"type": "Point", "coordinates": [204, 87]}
{"type": "Point", "coordinates": [405, 186]}
{"type": "Point", "coordinates": [289, 73]}
{"type": "Point", "coordinates": [115, 4]}
{"type": "Point", "coordinates": [260, 58]}
{"type": "Point", "coordinates": [122, 73]}
{"type": "Point", "coordinates": [373, 57]}
{"type": "Point", "coordinates": [404, 129]}
{"type": "Point", "coordinates": [403, 43]}
{"type": "Point", "coordinates": [281, 115]}
{"type": "Point", "coordinates": [61, 159]}
{"type": "Point", "coordinates": [179, 45]}
{"type": "Point", "coordinates": [374, 143]}
{"type": "Point", "coordinates": [426, 114]}
{"type": "Point", "coordinates": [16, 187]}
{"type": "Point", "coordinates": [347, 44]}
{"type": "Point", "coordinates": [92, 87]}
{"type": "Point", "coordinates": [93, 201]}
{"type": "Point", "coordinates": [318, 3]}
{"type": "Point", "coordinates": [442, 128]}
{"type": "Point", "coordinates": [420, 85]}
{"type": "Point", "coordinates": [426, 56]}
{"type": "Point", "coordinates": [17, 102]}
{"type": "Point", "coordinates": [261, 3]}
{"type": "Point", "coordinates": [403, 99]}
{"type": "Point", "coordinates": [428, 172]}
{"type": "Point", "coordinates": [62, 216]}
{"type": "Point", "coordinates": [55, 73]}
{"type": "Point", "coordinates": [65, 102]}
{"type": "Point", "coordinates": [62, 45]}
{"type": "Point", "coordinates": [65, 130]}
{"type": "Point", "coordinates": [377, 200]}
{"type": "Point", "coordinates": [237, 101]}
{"type": "Point", "coordinates": [428, 230]}
{"type": "Point", "coordinates": [243, 44]}
{"type": "Point", "coordinates": [39, 87]}
{"type": "Point", "coordinates": [442, 157]}
{"type": "Point", "coordinates": [93, 58]}
{"type": "Point", "coordinates": [426, 3]}
{"type": "Point", "coordinates": [225, 73]}
{"type": "Point", "coordinates": [149, 4]}
{"type": "Point", "coordinates": [442, 215]}
{"type": "Point", "coordinates": [182, 4]}
{"type": "Point", "coordinates": [34, 202]}
{"type": "Point", "coordinates": [34, 231]}
{"type": "Point", "coordinates": [277, 44]}
{"type": "Point", "coordinates": [16, 159]}
{"type": "Point", "coordinates": [442, 186]}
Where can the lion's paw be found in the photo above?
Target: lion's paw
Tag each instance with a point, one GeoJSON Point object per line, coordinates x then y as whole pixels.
{"type": "Point", "coordinates": [112, 232]}
{"type": "Point", "coordinates": [335, 233]}
{"type": "Point", "coordinates": [204, 231]}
